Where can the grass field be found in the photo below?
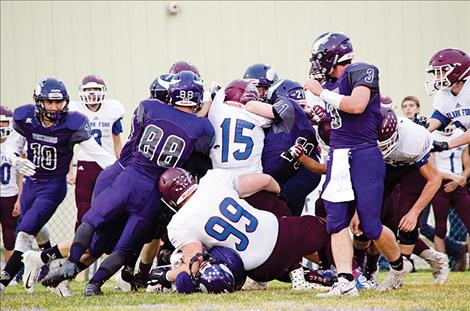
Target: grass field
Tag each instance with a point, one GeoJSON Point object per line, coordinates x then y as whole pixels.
{"type": "Point", "coordinates": [418, 294]}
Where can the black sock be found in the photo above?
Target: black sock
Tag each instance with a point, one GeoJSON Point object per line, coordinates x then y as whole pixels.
{"type": "Point", "coordinates": [397, 264]}
{"type": "Point", "coordinates": [359, 256]}
{"type": "Point", "coordinates": [143, 273]}
{"type": "Point", "coordinates": [12, 267]}
{"type": "Point", "coordinates": [81, 266]}
{"type": "Point", "coordinates": [347, 276]}
{"type": "Point", "coordinates": [44, 246]}
{"type": "Point", "coordinates": [50, 254]}
{"type": "Point", "coordinates": [108, 267]}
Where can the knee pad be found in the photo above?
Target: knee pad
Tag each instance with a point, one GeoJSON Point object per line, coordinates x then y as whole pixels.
{"type": "Point", "coordinates": [24, 242]}
{"type": "Point", "coordinates": [408, 238]}
{"type": "Point", "coordinates": [43, 236]}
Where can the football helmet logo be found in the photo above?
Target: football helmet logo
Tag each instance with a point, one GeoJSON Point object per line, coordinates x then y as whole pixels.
{"type": "Point", "coordinates": [159, 87]}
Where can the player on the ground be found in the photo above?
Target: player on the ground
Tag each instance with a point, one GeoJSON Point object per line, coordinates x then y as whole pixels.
{"type": "Point", "coordinates": [167, 137]}
{"type": "Point", "coordinates": [353, 101]}
{"type": "Point", "coordinates": [213, 213]}
{"type": "Point", "coordinates": [50, 132]}
{"type": "Point", "coordinates": [448, 75]}
{"type": "Point", "coordinates": [10, 187]}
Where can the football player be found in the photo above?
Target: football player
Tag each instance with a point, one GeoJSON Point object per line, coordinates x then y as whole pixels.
{"type": "Point", "coordinates": [168, 134]}
{"type": "Point", "coordinates": [10, 190]}
{"type": "Point", "coordinates": [105, 117]}
{"type": "Point", "coordinates": [50, 132]}
{"type": "Point", "coordinates": [448, 75]}
{"type": "Point", "coordinates": [353, 100]}
{"type": "Point", "coordinates": [214, 213]}
{"type": "Point", "coordinates": [410, 107]}
{"type": "Point", "coordinates": [262, 76]}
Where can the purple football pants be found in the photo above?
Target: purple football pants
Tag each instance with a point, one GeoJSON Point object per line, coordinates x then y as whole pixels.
{"type": "Point", "coordinates": [367, 170]}
{"type": "Point", "coordinates": [39, 201]}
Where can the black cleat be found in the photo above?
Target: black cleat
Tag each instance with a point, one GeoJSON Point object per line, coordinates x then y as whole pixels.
{"type": "Point", "coordinates": [92, 290]}
{"type": "Point", "coordinates": [56, 274]}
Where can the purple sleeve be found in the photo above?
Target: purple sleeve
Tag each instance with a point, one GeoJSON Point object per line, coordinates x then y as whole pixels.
{"type": "Point", "coordinates": [117, 127]}
{"type": "Point", "coordinates": [284, 112]}
{"type": "Point", "coordinates": [364, 75]}
{"type": "Point", "coordinates": [83, 133]}
{"type": "Point", "coordinates": [184, 284]}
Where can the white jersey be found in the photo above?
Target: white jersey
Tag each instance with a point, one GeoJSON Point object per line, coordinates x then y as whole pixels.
{"type": "Point", "coordinates": [448, 161]}
{"type": "Point", "coordinates": [216, 216]}
{"type": "Point", "coordinates": [239, 137]}
{"type": "Point", "coordinates": [102, 124]}
{"type": "Point", "coordinates": [454, 108]}
{"type": "Point", "coordinates": [8, 175]}
{"type": "Point", "coordinates": [414, 143]}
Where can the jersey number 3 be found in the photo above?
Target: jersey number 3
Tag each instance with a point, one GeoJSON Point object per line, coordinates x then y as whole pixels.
{"type": "Point", "coordinates": [220, 228]}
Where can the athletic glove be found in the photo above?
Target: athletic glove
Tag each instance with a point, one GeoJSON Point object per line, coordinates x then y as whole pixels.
{"type": "Point", "coordinates": [421, 120]}
{"type": "Point", "coordinates": [438, 146]}
{"type": "Point", "coordinates": [157, 277]}
{"type": "Point", "coordinates": [24, 166]}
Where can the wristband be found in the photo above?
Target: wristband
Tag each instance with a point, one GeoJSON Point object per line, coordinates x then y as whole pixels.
{"type": "Point", "coordinates": [331, 98]}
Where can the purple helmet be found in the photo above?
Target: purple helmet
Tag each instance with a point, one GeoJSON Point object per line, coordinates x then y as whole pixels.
{"type": "Point", "coordinates": [262, 75]}
{"type": "Point", "coordinates": [446, 68]}
{"type": "Point", "coordinates": [231, 259]}
{"type": "Point", "coordinates": [5, 116]}
{"type": "Point", "coordinates": [183, 65]}
{"type": "Point", "coordinates": [388, 130]}
{"type": "Point", "coordinates": [328, 50]}
{"type": "Point", "coordinates": [186, 89]}
{"type": "Point", "coordinates": [241, 91]}
{"type": "Point", "coordinates": [175, 185]}
{"type": "Point", "coordinates": [286, 88]}
{"type": "Point", "coordinates": [213, 276]}
{"type": "Point", "coordinates": [53, 90]}
{"type": "Point", "coordinates": [159, 87]}
{"type": "Point", "coordinates": [92, 90]}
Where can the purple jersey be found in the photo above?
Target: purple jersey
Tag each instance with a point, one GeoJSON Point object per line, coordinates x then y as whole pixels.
{"type": "Point", "coordinates": [126, 152]}
{"type": "Point", "coordinates": [167, 137]}
{"type": "Point", "coordinates": [50, 148]}
{"type": "Point", "coordinates": [348, 130]}
{"type": "Point", "coordinates": [290, 125]}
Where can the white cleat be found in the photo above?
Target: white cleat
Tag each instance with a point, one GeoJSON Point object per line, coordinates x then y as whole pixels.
{"type": "Point", "coordinates": [395, 279]}
{"type": "Point", "coordinates": [253, 285]}
{"type": "Point", "coordinates": [439, 263]}
{"type": "Point", "coordinates": [121, 284]}
{"type": "Point", "coordinates": [343, 288]}
{"type": "Point", "coordinates": [300, 283]}
{"type": "Point", "coordinates": [32, 265]}
{"type": "Point", "coordinates": [63, 289]}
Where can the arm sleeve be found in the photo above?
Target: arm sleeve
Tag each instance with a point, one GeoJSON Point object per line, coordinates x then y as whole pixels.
{"type": "Point", "coordinates": [14, 145]}
{"type": "Point", "coordinates": [83, 133]}
{"type": "Point", "coordinates": [205, 142]}
{"type": "Point", "coordinates": [423, 161]}
{"type": "Point", "coordinates": [284, 112]}
{"type": "Point", "coordinates": [117, 127]}
{"type": "Point", "coordinates": [97, 152]}
{"type": "Point", "coordinates": [364, 75]}
{"type": "Point", "coordinates": [441, 118]}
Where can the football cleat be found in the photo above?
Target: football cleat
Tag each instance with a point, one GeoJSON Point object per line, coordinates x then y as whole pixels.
{"type": "Point", "coordinates": [124, 285]}
{"type": "Point", "coordinates": [32, 266]}
{"type": "Point", "coordinates": [324, 277]}
{"type": "Point", "coordinates": [300, 283]}
{"type": "Point", "coordinates": [92, 290]}
{"type": "Point", "coordinates": [57, 271]}
{"type": "Point", "coordinates": [396, 278]}
{"type": "Point", "coordinates": [439, 263]}
{"type": "Point", "coordinates": [62, 290]}
{"type": "Point", "coordinates": [343, 288]}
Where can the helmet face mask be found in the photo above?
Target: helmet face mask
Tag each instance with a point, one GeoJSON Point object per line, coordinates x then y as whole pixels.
{"type": "Point", "coordinates": [213, 276]}
{"type": "Point", "coordinates": [6, 121]}
{"type": "Point", "coordinates": [48, 93]}
{"type": "Point", "coordinates": [388, 131]}
{"type": "Point", "coordinates": [92, 90]}
{"type": "Point", "coordinates": [262, 76]}
{"type": "Point", "coordinates": [240, 91]}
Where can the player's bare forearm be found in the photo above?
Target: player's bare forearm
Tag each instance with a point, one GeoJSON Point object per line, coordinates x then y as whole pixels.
{"type": "Point", "coordinates": [260, 108]}
{"type": "Point", "coordinates": [312, 165]}
{"type": "Point", "coordinates": [434, 124]}
{"type": "Point", "coordinates": [433, 183]}
{"type": "Point", "coordinates": [117, 145]}
{"type": "Point", "coordinates": [460, 140]}
{"type": "Point", "coordinates": [252, 183]}
{"type": "Point", "coordinates": [357, 102]}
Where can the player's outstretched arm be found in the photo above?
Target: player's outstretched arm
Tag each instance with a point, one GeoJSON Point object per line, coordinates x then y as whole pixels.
{"type": "Point", "coordinates": [103, 158]}
{"type": "Point", "coordinates": [249, 184]}
{"type": "Point", "coordinates": [460, 140]}
{"type": "Point", "coordinates": [260, 108]}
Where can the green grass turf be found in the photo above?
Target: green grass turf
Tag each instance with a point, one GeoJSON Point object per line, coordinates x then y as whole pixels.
{"type": "Point", "coordinates": [418, 294]}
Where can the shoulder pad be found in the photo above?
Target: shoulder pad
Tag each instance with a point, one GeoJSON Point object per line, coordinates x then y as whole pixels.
{"type": "Point", "coordinates": [23, 112]}
{"type": "Point", "coordinates": [360, 67]}
{"type": "Point", "coordinates": [116, 107]}
{"type": "Point", "coordinates": [75, 120]}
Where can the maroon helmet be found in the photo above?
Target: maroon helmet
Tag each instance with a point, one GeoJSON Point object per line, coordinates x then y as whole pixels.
{"type": "Point", "coordinates": [388, 130]}
{"type": "Point", "coordinates": [323, 133]}
{"type": "Point", "coordinates": [92, 90]}
{"type": "Point", "coordinates": [5, 116]}
{"type": "Point", "coordinates": [446, 68]}
{"type": "Point", "coordinates": [176, 185]}
{"type": "Point", "coordinates": [241, 91]}
{"type": "Point", "coordinates": [183, 65]}
{"type": "Point", "coordinates": [385, 100]}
